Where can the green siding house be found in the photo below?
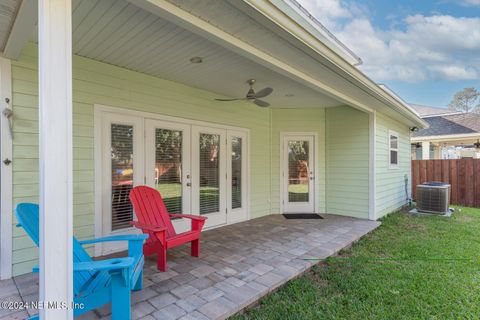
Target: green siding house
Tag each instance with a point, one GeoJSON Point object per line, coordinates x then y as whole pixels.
{"type": "Point", "coordinates": [109, 94]}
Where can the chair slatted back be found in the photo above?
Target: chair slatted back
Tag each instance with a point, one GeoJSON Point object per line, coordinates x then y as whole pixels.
{"type": "Point", "coordinates": [150, 209]}
{"type": "Point", "coordinates": [28, 217]}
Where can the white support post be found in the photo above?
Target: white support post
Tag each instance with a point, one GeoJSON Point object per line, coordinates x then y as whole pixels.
{"type": "Point", "coordinates": [372, 190]}
{"type": "Point", "coordinates": [55, 97]}
{"type": "Point", "coordinates": [425, 150]}
{"type": "Point", "coordinates": [5, 169]}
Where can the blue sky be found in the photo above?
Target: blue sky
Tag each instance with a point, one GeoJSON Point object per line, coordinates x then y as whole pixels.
{"type": "Point", "coordinates": [424, 50]}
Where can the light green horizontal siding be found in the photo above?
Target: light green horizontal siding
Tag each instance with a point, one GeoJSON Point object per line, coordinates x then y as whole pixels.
{"type": "Point", "coordinates": [390, 183]}
{"type": "Point", "coordinates": [298, 120]}
{"type": "Point", "coordinates": [95, 82]}
{"type": "Point", "coordinates": [342, 180]}
{"type": "Point", "coordinates": [347, 162]}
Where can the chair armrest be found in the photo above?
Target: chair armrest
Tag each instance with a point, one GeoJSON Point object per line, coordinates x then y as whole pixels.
{"type": "Point", "coordinates": [126, 237]}
{"type": "Point", "coordinates": [187, 216]}
{"type": "Point", "coordinates": [106, 265]}
{"type": "Point", "coordinates": [147, 227]}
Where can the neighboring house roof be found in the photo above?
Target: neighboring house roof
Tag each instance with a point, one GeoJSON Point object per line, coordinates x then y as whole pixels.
{"type": "Point", "coordinates": [426, 111]}
{"type": "Point", "coordinates": [450, 124]}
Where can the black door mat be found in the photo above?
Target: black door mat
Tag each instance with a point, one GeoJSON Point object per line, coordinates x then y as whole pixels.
{"type": "Point", "coordinates": [302, 216]}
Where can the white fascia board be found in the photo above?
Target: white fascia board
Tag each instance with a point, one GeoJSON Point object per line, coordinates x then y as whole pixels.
{"type": "Point", "coordinates": [450, 137]}
{"type": "Point", "coordinates": [294, 10]}
{"type": "Point", "coordinates": [344, 67]}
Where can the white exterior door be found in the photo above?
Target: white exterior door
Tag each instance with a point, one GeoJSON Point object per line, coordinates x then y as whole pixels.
{"type": "Point", "coordinates": [298, 187]}
{"type": "Point", "coordinates": [209, 174]}
{"type": "Point", "coordinates": [167, 163]}
{"type": "Point", "coordinates": [237, 177]}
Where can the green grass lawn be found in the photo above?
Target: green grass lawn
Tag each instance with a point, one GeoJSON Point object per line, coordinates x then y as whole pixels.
{"type": "Point", "coordinates": [411, 267]}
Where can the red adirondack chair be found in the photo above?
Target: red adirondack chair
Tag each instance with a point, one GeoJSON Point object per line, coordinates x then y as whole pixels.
{"type": "Point", "coordinates": [154, 220]}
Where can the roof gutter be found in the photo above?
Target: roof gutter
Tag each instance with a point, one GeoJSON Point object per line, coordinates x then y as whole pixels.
{"type": "Point", "coordinates": [447, 137]}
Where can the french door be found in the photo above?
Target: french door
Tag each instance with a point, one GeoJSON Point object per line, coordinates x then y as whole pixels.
{"type": "Point", "coordinates": [122, 168]}
{"type": "Point", "coordinates": [199, 170]}
{"type": "Point", "coordinates": [209, 174]}
{"type": "Point", "coordinates": [298, 194]}
{"type": "Point", "coordinates": [167, 163]}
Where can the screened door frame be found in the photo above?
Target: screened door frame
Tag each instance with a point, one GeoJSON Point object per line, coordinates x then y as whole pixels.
{"type": "Point", "coordinates": [315, 156]}
{"type": "Point", "coordinates": [100, 110]}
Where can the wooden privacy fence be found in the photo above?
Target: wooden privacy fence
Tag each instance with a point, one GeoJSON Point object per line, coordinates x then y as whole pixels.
{"type": "Point", "coordinates": [462, 174]}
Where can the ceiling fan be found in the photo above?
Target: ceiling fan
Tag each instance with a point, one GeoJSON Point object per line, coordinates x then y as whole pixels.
{"type": "Point", "coordinates": [254, 96]}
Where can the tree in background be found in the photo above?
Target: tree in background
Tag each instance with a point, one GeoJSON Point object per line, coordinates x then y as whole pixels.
{"type": "Point", "coordinates": [466, 101]}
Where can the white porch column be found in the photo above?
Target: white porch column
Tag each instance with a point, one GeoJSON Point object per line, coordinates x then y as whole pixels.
{"type": "Point", "coordinates": [55, 98]}
{"type": "Point", "coordinates": [5, 170]}
{"type": "Point", "coordinates": [425, 150]}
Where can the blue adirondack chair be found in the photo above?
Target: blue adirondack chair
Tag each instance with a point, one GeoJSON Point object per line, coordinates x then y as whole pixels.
{"type": "Point", "coordinates": [96, 282]}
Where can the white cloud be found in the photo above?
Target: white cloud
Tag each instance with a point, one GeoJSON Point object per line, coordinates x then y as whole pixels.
{"type": "Point", "coordinates": [418, 49]}
{"type": "Point", "coordinates": [470, 3]}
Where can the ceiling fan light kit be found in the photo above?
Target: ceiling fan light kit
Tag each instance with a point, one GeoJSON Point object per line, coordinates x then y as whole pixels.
{"type": "Point", "coordinates": [254, 96]}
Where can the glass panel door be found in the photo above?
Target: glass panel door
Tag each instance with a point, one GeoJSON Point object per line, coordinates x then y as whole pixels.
{"type": "Point", "coordinates": [298, 195]}
{"type": "Point", "coordinates": [208, 174]}
{"type": "Point", "coordinates": [168, 166]}
{"type": "Point", "coordinates": [122, 174]}
{"type": "Point", "coordinates": [122, 169]}
{"type": "Point", "coordinates": [236, 176]}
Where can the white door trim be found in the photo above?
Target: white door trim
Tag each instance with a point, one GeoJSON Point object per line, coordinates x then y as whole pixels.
{"type": "Point", "coordinates": [157, 116]}
{"type": "Point", "coordinates": [284, 134]}
{"type": "Point", "coordinates": [6, 182]}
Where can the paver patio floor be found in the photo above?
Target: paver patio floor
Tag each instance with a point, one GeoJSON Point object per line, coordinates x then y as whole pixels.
{"type": "Point", "coordinates": [239, 264]}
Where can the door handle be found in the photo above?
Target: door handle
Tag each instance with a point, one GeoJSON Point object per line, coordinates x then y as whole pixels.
{"type": "Point", "coordinates": [189, 184]}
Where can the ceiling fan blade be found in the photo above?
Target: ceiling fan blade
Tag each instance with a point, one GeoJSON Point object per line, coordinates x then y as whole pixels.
{"type": "Point", "coordinates": [261, 103]}
{"type": "Point", "coordinates": [228, 99]}
{"type": "Point", "coordinates": [263, 93]}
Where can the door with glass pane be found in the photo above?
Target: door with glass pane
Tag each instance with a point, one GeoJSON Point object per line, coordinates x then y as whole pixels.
{"type": "Point", "coordinates": [236, 176]}
{"type": "Point", "coordinates": [209, 174]}
{"type": "Point", "coordinates": [167, 155]}
{"type": "Point", "coordinates": [298, 173]}
{"type": "Point", "coordinates": [122, 167]}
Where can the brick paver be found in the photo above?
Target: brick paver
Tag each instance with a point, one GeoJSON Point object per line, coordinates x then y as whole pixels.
{"type": "Point", "coordinates": [238, 265]}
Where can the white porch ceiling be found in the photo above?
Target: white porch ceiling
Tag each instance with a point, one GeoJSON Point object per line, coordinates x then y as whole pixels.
{"type": "Point", "coordinates": [121, 34]}
{"type": "Point", "coordinates": [8, 11]}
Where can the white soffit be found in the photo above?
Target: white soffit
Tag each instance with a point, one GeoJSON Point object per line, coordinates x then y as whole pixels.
{"type": "Point", "coordinates": [8, 12]}
{"type": "Point", "coordinates": [121, 34]}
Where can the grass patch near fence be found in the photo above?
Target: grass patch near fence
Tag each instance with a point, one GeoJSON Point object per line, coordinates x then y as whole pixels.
{"type": "Point", "coordinates": [411, 267]}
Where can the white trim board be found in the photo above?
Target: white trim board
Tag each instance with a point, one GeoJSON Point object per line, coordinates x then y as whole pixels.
{"type": "Point", "coordinates": [6, 182]}
{"type": "Point", "coordinates": [447, 137]}
{"type": "Point", "coordinates": [372, 187]}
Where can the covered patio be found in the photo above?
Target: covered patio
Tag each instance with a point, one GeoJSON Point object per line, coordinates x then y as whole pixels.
{"type": "Point", "coordinates": [106, 95]}
{"type": "Point", "coordinates": [239, 264]}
